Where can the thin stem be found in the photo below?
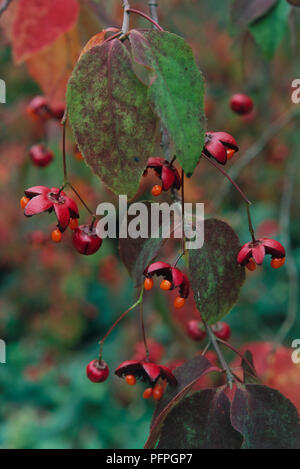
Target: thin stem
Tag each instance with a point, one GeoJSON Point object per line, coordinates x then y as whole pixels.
{"type": "Point", "coordinates": [140, 299]}
{"type": "Point", "coordinates": [140, 13]}
{"type": "Point", "coordinates": [153, 10]}
{"type": "Point", "coordinates": [125, 26]}
{"type": "Point", "coordinates": [165, 143]}
{"type": "Point", "coordinates": [114, 36]}
{"type": "Point", "coordinates": [213, 339]}
{"type": "Point", "coordinates": [182, 211]}
{"type": "Point", "coordinates": [178, 258]}
{"type": "Point", "coordinates": [255, 149]}
{"type": "Point", "coordinates": [228, 177]}
{"type": "Point", "coordinates": [4, 6]}
{"type": "Point", "coordinates": [82, 201]}
{"type": "Point", "coordinates": [206, 348]}
{"type": "Point", "coordinates": [251, 229]}
{"type": "Point", "coordinates": [143, 330]}
{"type": "Point", "coordinates": [64, 124]}
{"type": "Point", "coordinates": [231, 347]}
{"type": "Point", "coordinates": [100, 350]}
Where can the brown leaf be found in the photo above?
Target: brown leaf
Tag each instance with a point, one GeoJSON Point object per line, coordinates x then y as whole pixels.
{"type": "Point", "coordinates": [187, 376]}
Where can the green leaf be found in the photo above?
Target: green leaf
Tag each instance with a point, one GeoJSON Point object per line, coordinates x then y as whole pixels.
{"type": "Point", "coordinates": [111, 116]}
{"type": "Point", "coordinates": [201, 421]}
{"type": "Point", "coordinates": [215, 275]}
{"type": "Point", "coordinates": [265, 418]}
{"type": "Point", "coordinates": [244, 12]}
{"type": "Point", "coordinates": [187, 376]}
{"type": "Point", "coordinates": [137, 254]}
{"type": "Point", "coordinates": [269, 30]}
{"type": "Point", "coordinates": [176, 90]}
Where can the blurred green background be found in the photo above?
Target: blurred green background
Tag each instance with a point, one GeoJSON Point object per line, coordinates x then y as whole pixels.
{"type": "Point", "coordinates": [55, 304]}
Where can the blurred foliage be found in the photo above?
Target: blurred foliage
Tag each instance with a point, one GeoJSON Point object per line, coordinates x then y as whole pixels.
{"type": "Point", "coordinates": [55, 305]}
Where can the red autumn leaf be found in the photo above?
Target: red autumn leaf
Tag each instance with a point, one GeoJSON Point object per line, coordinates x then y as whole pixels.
{"type": "Point", "coordinates": [52, 66]}
{"type": "Point", "coordinates": [96, 40]}
{"type": "Point", "coordinates": [38, 23]}
{"type": "Point", "coordinates": [275, 368]}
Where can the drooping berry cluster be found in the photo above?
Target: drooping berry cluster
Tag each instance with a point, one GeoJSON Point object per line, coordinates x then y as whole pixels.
{"type": "Point", "coordinates": [220, 145]}
{"type": "Point", "coordinates": [196, 330]}
{"type": "Point", "coordinates": [253, 253]}
{"type": "Point", "coordinates": [155, 375]}
{"type": "Point", "coordinates": [168, 174]}
{"type": "Point", "coordinates": [39, 199]}
{"type": "Point", "coordinates": [173, 278]}
{"type": "Point", "coordinates": [40, 108]}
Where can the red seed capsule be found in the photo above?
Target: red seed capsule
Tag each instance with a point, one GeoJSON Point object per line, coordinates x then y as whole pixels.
{"type": "Point", "coordinates": [221, 330]}
{"type": "Point", "coordinates": [251, 265]}
{"type": "Point", "coordinates": [73, 223]}
{"type": "Point", "coordinates": [148, 284]}
{"type": "Point", "coordinates": [196, 330]}
{"type": "Point", "coordinates": [147, 393]}
{"type": "Point", "coordinates": [241, 103]}
{"type": "Point", "coordinates": [165, 285]}
{"type": "Point", "coordinates": [130, 379]}
{"type": "Point", "coordinates": [97, 372]}
{"type": "Point", "coordinates": [156, 190]}
{"type": "Point", "coordinates": [56, 236]}
{"type": "Point", "coordinates": [24, 201]}
{"type": "Point", "coordinates": [179, 302]}
{"type": "Point", "coordinates": [40, 155]}
{"type": "Point", "coordinates": [277, 263]}
{"type": "Point", "coordinates": [158, 392]}
{"type": "Point", "coordinates": [85, 240]}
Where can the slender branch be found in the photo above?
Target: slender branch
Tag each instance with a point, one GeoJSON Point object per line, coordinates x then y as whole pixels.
{"type": "Point", "coordinates": [251, 229]}
{"type": "Point", "coordinates": [64, 124]}
{"type": "Point", "coordinates": [81, 200]}
{"type": "Point", "coordinates": [206, 348]}
{"type": "Point", "coordinates": [153, 10]}
{"type": "Point", "coordinates": [114, 36]}
{"type": "Point", "coordinates": [231, 347]}
{"type": "Point", "coordinates": [143, 330]}
{"type": "Point", "coordinates": [285, 216]}
{"type": "Point", "coordinates": [125, 26]}
{"type": "Point", "coordinates": [256, 149]}
{"type": "Point", "coordinates": [140, 13]}
{"type": "Point", "coordinates": [4, 5]}
{"type": "Point", "coordinates": [228, 177]}
{"type": "Point", "coordinates": [140, 299]}
{"type": "Point", "coordinates": [178, 258]}
{"type": "Point", "coordinates": [213, 339]}
{"type": "Point", "coordinates": [182, 212]}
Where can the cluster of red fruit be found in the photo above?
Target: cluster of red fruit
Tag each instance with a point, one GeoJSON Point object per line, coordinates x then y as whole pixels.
{"type": "Point", "coordinates": [196, 330]}
{"type": "Point", "coordinates": [40, 199]}
{"type": "Point", "coordinates": [253, 253]}
{"type": "Point", "coordinates": [40, 109]}
{"type": "Point", "coordinates": [173, 278]}
{"type": "Point", "coordinates": [166, 172]}
{"type": "Point", "coordinates": [157, 376]}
